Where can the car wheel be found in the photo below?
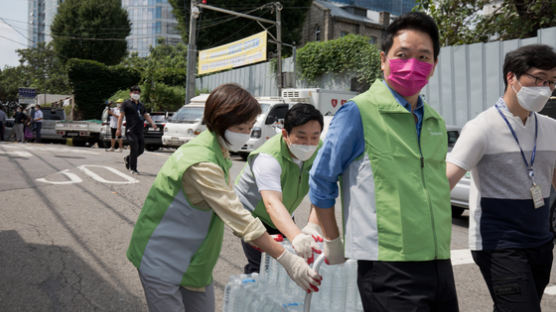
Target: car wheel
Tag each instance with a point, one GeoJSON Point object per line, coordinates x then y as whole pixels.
{"type": "Point", "coordinates": [457, 211]}
{"type": "Point", "coordinates": [152, 148]}
{"type": "Point", "coordinates": [103, 144]}
{"type": "Point", "coordinates": [244, 156]}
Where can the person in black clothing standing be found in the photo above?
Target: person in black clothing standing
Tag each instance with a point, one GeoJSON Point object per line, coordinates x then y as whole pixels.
{"type": "Point", "coordinates": [134, 112]}
{"type": "Point", "coordinates": [19, 120]}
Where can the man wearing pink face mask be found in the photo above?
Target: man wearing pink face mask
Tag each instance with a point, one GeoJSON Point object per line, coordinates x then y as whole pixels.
{"type": "Point", "coordinates": [389, 149]}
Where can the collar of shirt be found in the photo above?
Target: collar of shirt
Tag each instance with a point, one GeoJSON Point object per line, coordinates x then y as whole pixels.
{"type": "Point", "coordinates": [419, 110]}
{"type": "Point", "coordinates": [502, 105]}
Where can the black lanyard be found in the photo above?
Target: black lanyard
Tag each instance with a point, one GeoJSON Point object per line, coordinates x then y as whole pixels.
{"type": "Point", "coordinates": [529, 168]}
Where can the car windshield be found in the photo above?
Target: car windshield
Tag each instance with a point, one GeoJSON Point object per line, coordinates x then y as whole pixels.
{"type": "Point", "coordinates": [158, 118]}
{"type": "Point", "coordinates": [265, 108]}
{"type": "Point", "coordinates": [188, 114]}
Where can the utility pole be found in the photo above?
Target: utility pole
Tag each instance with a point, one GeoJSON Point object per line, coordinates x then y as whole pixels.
{"type": "Point", "coordinates": [279, 78]}
{"type": "Point", "coordinates": [191, 52]}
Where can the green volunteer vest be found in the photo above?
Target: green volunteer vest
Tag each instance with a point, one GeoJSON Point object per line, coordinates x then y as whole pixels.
{"type": "Point", "coordinates": [412, 193]}
{"type": "Point", "coordinates": [173, 240]}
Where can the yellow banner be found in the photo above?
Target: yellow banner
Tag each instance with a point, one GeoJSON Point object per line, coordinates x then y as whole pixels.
{"type": "Point", "coordinates": [238, 53]}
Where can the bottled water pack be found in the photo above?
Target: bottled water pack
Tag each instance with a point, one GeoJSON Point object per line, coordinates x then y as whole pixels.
{"type": "Point", "coordinates": [272, 290]}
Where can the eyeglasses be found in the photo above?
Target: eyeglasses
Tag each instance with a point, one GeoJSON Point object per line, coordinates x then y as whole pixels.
{"type": "Point", "coordinates": [541, 81]}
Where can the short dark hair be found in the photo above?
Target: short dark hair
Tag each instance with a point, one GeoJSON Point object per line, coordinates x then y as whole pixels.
{"type": "Point", "coordinates": [534, 55]}
{"type": "Point", "coordinates": [135, 88]}
{"type": "Point", "coordinates": [415, 21]}
{"type": "Point", "coordinates": [300, 114]}
{"type": "Point", "coordinates": [229, 105]}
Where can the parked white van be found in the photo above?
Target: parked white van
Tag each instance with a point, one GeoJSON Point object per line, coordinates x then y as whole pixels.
{"type": "Point", "coordinates": [185, 124]}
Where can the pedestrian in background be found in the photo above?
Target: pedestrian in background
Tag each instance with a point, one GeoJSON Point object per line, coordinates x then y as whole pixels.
{"type": "Point", "coordinates": [178, 236]}
{"type": "Point", "coordinates": [114, 114]}
{"type": "Point", "coordinates": [2, 124]}
{"type": "Point", "coordinates": [511, 153]}
{"type": "Point", "coordinates": [134, 112]}
{"type": "Point", "coordinates": [37, 123]}
{"type": "Point", "coordinates": [19, 121]}
{"type": "Point", "coordinates": [389, 148]}
{"type": "Point", "coordinates": [275, 180]}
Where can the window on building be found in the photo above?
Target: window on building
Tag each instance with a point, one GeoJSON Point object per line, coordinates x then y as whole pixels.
{"type": "Point", "coordinates": [343, 33]}
{"type": "Point", "coordinates": [317, 33]}
{"type": "Point", "coordinates": [372, 40]}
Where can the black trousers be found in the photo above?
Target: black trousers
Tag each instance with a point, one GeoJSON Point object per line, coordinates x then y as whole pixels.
{"type": "Point", "coordinates": [253, 255]}
{"type": "Point", "coordinates": [136, 147]}
{"type": "Point", "coordinates": [516, 277]}
{"type": "Point", "coordinates": [2, 131]}
{"type": "Point", "coordinates": [407, 286]}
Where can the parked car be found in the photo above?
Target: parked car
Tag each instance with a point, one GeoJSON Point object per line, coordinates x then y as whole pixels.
{"type": "Point", "coordinates": [459, 197]}
{"type": "Point", "coordinates": [185, 124]}
{"type": "Point", "coordinates": [50, 116]}
{"type": "Point", "coordinates": [153, 137]}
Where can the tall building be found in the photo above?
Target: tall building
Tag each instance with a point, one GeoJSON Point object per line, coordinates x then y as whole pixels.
{"type": "Point", "coordinates": [41, 14]}
{"type": "Point", "coordinates": [150, 20]}
{"type": "Point", "coordinates": [394, 7]}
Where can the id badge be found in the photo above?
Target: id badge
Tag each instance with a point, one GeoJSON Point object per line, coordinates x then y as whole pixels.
{"type": "Point", "coordinates": [536, 194]}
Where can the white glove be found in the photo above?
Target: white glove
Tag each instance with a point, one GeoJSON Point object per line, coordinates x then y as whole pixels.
{"type": "Point", "coordinates": [334, 251]}
{"type": "Point", "coordinates": [304, 244]}
{"type": "Point", "coordinates": [299, 271]}
{"type": "Point", "coordinates": [313, 230]}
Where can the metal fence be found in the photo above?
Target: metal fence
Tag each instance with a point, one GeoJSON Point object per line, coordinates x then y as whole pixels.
{"type": "Point", "coordinates": [467, 79]}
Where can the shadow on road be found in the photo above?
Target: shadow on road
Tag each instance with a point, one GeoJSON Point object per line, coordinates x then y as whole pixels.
{"type": "Point", "coordinates": [38, 277]}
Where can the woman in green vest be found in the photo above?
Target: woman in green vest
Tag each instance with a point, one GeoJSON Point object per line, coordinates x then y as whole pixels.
{"type": "Point", "coordinates": [178, 235]}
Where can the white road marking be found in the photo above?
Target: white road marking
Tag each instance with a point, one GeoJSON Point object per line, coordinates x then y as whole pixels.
{"type": "Point", "coordinates": [128, 179]}
{"type": "Point", "coordinates": [52, 149]}
{"type": "Point", "coordinates": [73, 178]}
{"type": "Point", "coordinates": [461, 256]}
{"type": "Point", "coordinates": [17, 154]}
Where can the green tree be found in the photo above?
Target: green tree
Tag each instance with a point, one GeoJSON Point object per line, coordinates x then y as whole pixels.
{"type": "Point", "coordinates": [463, 21]}
{"type": "Point", "coordinates": [351, 54]}
{"type": "Point", "coordinates": [91, 29]}
{"type": "Point", "coordinates": [39, 68]}
{"type": "Point", "coordinates": [218, 28]}
{"type": "Point", "coordinates": [94, 82]}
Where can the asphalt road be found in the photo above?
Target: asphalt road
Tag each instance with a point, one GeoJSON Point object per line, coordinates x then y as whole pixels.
{"type": "Point", "coordinates": [66, 217]}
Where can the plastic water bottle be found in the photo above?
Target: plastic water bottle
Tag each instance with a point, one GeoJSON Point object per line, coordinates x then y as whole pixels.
{"type": "Point", "coordinates": [231, 292]}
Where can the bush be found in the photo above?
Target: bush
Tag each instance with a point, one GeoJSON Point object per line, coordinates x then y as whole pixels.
{"type": "Point", "coordinates": [349, 54]}
{"type": "Point", "coordinates": [94, 82]}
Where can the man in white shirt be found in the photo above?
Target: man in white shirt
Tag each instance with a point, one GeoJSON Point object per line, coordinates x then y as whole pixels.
{"type": "Point", "coordinates": [511, 152]}
{"type": "Point", "coordinates": [114, 113]}
{"type": "Point", "coordinates": [37, 123]}
{"type": "Point", "coordinates": [275, 180]}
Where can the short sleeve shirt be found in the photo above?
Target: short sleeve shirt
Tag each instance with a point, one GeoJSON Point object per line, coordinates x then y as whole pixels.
{"type": "Point", "coordinates": [502, 214]}
{"type": "Point", "coordinates": [114, 119]}
{"type": "Point", "coordinates": [133, 115]}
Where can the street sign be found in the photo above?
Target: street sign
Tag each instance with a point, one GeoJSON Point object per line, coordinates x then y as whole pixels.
{"type": "Point", "coordinates": [27, 92]}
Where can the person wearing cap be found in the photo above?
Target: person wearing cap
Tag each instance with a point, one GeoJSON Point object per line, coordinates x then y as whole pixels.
{"type": "Point", "coordinates": [114, 113]}
{"type": "Point", "coordinates": [135, 114]}
{"type": "Point", "coordinates": [275, 180]}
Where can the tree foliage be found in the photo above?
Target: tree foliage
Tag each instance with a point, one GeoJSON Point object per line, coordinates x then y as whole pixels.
{"type": "Point", "coordinates": [94, 82]}
{"type": "Point", "coordinates": [163, 75]}
{"type": "Point", "coordinates": [349, 54]}
{"type": "Point", "coordinates": [39, 68]}
{"type": "Point", "coordinates": [464, 21]}
{"type": "Point", "coordinates": [91, 29]}
{"type": "Point", "coordinates": [219, 28]}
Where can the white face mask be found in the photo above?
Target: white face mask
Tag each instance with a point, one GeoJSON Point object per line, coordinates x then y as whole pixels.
{"type": "Point", "coordinates": [533, 99]}
{"type": "Point", "coordinates": [236, 139]}
{"type": "Point", "coordinates": [302, 151]}
{"type": "Point", "coordinates": [135, 96]}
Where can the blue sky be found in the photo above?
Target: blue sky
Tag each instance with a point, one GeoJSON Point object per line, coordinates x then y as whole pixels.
{"type": "Point", "coordinates": [14, 12]}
